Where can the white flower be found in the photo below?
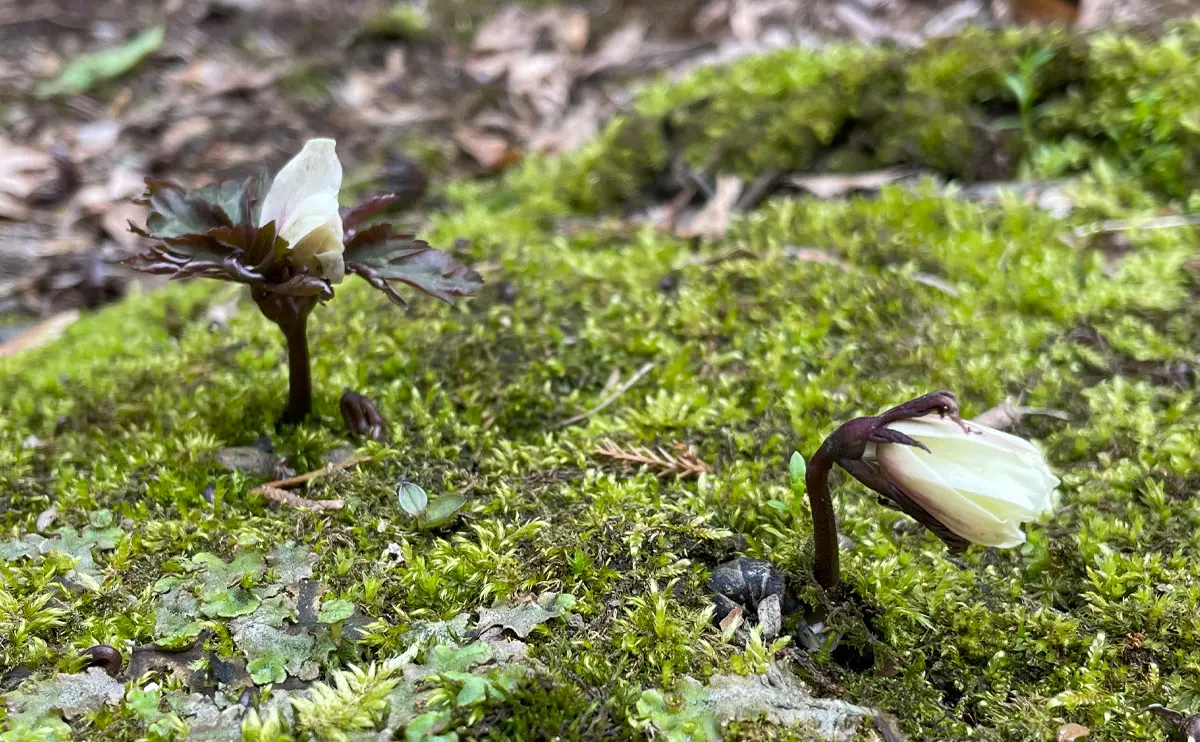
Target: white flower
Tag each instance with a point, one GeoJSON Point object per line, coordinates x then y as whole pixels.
{"type": "Point", "coordinates": [981, 484]}
{"type": "Point", "coordinates": [303, 203]}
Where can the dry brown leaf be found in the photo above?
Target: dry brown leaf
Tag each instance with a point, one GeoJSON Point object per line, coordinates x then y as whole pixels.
{"type": "Point", "coordinates": [1045, 11]}
{"type": "Point", "coordinates": [577, 128]}
{"type": "Point", "coordinates": [300, 503]}
{"type": "Point", "coordinates": [544, 80]}
{"type": "Point", "coordinates": [618, 49]}
{"type": "Point", "coordinates": [833, 185]}
{"type": "Point", "coordinates": [713, 219]}
{"type": "Point", "coordinates": [180, 133]}
{"type": "Point", "coordinates": [732, 617]}
{"type": "Point", "coordinates": [1070, 732]}
{"type": "Point", "coordinates": [23, 169]}
{"type": "Point", "coordinates": [492, 151]}
{"type": "Point", "coordinates": [115, 221]}
{"type": "Point", "coordinates": [511, 29]}
{"type": "Point", "coordinates": [43, 332]}
{"type": "Point", "coordinates": [212, 77]}
{"type": "Point", "coordinates": [11, 208]}
{"type": "Point", "coordinates": [573, 32]}
{"type": "Point", "coordinates": [96, 138]}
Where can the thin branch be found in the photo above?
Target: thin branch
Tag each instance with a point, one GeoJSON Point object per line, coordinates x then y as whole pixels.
{"type": "Point", "coordinates": [686, 463]}
{"type": "Point", "coordinates": [284, 497]}
{"type": "Point", "coordinates": [1125, 225]}
{"type": "Point", "coordinates": [298, 480]}
{"type": "Point", "coordinates": [608, 400]}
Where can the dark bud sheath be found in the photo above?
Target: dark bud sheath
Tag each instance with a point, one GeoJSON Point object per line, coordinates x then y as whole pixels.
{"type": "Point", "coordinates": [361, 417]}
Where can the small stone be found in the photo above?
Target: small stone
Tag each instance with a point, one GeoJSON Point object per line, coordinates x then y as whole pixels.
{"type": "Point", "coordinates": [247, 459]}
{"type": "Point", "coordinates": [338, 455]}
{"type": "Point", "coordinates": [770, 616]}
{"type": "Point", "coordinates": [46, 519]}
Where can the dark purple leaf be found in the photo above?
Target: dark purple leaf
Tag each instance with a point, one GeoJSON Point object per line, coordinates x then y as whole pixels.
{"type": "Point", "coordinates": [355, 216]}
{"type": "Point", "coordinates": [176, 211]}
{"type": "Point", "coordinates": [417, 264]}
{"type": "Point", "coordinates": [376, 245]}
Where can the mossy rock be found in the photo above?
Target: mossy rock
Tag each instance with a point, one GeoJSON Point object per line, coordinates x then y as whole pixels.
{"type": "Point", "coordinates": [752, 356]}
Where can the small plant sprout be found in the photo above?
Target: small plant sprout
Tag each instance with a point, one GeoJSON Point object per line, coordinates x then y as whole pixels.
{"type": "Point", "coordinates": [965, 482]}
{"type": "Point", "coordinates": [428, 513]}
{"type": "Point", "coordinates": [290, 242]}
{"type": "Point", "coordinates": [335, 613]}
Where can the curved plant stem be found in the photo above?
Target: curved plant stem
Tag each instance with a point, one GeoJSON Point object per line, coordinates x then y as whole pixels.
{"type": "Point", "coordinates": [825, 536]}
{"type": "Point", "coordinates": [299, 375]}
{"type": "Point", "coordinates": [291, 314]}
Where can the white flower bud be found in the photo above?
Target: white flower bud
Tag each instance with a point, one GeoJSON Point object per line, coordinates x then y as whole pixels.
{"type": "Point", "coordinates": [303, 203]}
{"type": "Point", "coordinates": [981, 484]}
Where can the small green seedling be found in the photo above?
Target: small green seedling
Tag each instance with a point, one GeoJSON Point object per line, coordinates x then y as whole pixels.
{"type": "Point", "coordinates": [429, 514]}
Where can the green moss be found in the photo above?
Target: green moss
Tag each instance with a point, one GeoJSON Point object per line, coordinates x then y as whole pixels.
{"type": "Point", "coordinates": [971, 107]}
{"type": "Point", "coordinates": [753, 357]}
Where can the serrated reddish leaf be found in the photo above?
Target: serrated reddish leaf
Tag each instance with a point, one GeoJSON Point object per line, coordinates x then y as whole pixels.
{"type": "Point", "coordinates": [358, 215]}
{"type": "Point", "coordinates": [420, 266]}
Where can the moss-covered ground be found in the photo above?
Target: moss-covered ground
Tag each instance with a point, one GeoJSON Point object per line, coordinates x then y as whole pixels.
{"type": "Point", "coordinates": [756, 352]}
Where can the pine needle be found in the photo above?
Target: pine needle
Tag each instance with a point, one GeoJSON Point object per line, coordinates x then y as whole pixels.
{"type": "Point", "coordinates": [684, 463]}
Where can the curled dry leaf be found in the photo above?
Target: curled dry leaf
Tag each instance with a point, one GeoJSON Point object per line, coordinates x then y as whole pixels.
{"type": "Point", "coordinates": [284, 497]}
{"type": "Point", "coordinates": [1070, 732]}
{"type": "Point", "coordinates": [713, 220]}
{"type": "Point", "coordinates": [492, 151]}
{"type": "Point", "coordinates": [834, 185]}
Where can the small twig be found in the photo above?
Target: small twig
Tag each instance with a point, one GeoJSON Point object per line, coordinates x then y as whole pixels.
{"type": "Point", "coordinates": [1007, 414]}
{"type": "Point", "coordinates": [757, 190]}
{"type": "Point", "coordinates": [608, 400]}
{"type": "Point", "coordinates": [1125, 225]}
{"type": "Point", "coordinates": [287, 498]}
{"type": "Point", "coordinates": [685, 464]}
{"type": "Point", "coordinates": [740, 251]}
{"type": "Point", "coordinates": [302, 478]}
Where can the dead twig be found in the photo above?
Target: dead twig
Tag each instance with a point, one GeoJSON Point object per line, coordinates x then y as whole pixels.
{"type": "Point", "coordinates": [730, 254]}
{"type": "Point", "coordinates": [609, 399]}
{"type": "Point", "coordinates": [1126, 225]}
{"type": "Point", "coordinates": [300, 479]}
{"type": "Point", "coordinates": [1007, 414]}
{"type": "Point", "coordinates": [685, 463]}
{"type": "Point", "coordinates": [284, 497]}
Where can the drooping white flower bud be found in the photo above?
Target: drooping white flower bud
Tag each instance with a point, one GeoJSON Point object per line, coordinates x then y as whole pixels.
{"type": "Point", "coordinates": [981, 483]}
{"type": "Point", "coordinates": [303, 203]}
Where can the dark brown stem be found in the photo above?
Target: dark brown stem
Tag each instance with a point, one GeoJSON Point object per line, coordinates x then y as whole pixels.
{"type": "Point", "coordinates": [291, 314]}
{"type": "Point", "coordinates": [825, 535]}
{"type": "Point", "coordinates": [299, 375]}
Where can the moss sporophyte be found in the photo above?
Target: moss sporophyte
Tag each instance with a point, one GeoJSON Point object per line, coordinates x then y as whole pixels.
{"type": "Point", "coordinates": [290, 242]}
{"type": "Point", "coordinates": [965, 482]}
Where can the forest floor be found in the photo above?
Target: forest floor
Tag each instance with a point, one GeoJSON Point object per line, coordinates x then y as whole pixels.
{"type": "Point", "coordinates": [709, 237]}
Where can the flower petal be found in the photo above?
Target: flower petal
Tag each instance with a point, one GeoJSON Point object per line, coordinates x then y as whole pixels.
{"type": "Point", "coordinates": [312, 212]}
{"type": "Point", "coordinates": [1005, 474]}
{"type": "Point", "coordinates": [321, 251]}
{"type": "Point", "coordinates": [918, 480]}
{"type": "Point", "coordinates": [315, 169]}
